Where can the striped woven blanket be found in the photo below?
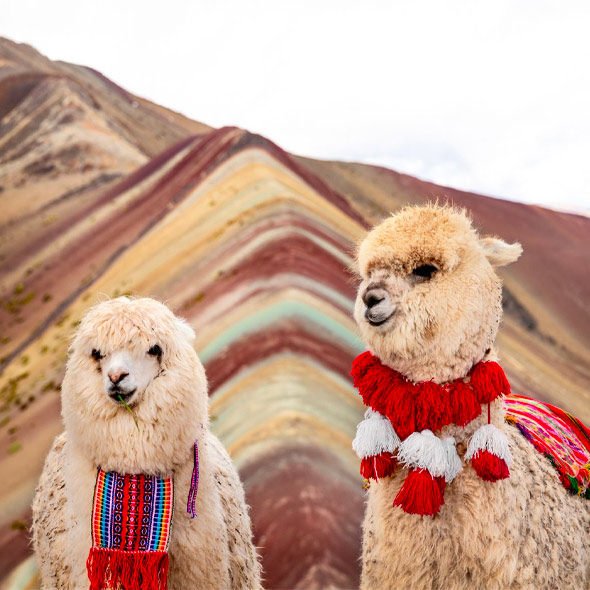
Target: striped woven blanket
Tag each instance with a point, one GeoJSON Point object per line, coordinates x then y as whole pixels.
{"type": "Point", "coordinates": [561, 437]}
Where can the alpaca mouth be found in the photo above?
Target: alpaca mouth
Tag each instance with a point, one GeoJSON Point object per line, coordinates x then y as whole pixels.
{"type": "Point", "coordinates": [120, 396]}
{"type": "Point", "coordinates": [377, 322]}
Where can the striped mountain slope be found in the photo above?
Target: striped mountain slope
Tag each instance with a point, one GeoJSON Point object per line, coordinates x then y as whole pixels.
{"type": "Point", "coordinates": [253, 246]}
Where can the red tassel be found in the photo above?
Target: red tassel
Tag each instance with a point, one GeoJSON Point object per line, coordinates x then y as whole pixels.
{"type": "Point", "coordinates": [489, 381]}
{"type": "Point", "coordinates": [401, 410]}
{"type": "Point", "coordinates": [374, 381]}
{"type": "Point", "coordinates": [464, 406]}
{"type": "Point", "coordinates": [432, 407]}
{"type": "Point", "coordinates": [386, 391]}
{"type": "Point", "coordinates": [489, 467]}
{"type": "Point", "coordinates": [378, 466]}
{"type": "Point", "coordinates": [421, 493]}
{"type": "Point", "coordinates": [132, 570]}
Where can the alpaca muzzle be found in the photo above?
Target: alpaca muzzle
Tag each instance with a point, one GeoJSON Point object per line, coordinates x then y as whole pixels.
{"type": "Point", "coordinates": [120, 395]}
{"type": "Point", "coordinates": [379, 307]}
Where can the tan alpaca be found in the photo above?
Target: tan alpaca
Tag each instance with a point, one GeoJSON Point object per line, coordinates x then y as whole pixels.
{"type": "Point", "coordinates": [147, 351]}
{"type": "Point", "coordinates": [429, 306]}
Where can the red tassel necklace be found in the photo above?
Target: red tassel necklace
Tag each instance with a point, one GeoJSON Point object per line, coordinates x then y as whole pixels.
{"type": "Point", "coordinates": [402, 418]}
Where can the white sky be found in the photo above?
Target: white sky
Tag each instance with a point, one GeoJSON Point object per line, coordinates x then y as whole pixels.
{"type": "Point", "coordinates": [492, 97]}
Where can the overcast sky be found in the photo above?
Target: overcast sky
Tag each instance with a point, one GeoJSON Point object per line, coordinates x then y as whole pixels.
{"type": "Point", "coordinates": [492, 97]}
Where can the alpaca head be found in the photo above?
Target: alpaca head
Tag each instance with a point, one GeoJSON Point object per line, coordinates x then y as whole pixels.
{"type": "Point", "coordinates": [429, 302]}
{"type": "Point", "coordinates": [134, 391]}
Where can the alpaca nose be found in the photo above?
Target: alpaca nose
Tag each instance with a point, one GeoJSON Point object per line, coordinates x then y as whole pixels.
{"type": "Point", "coordinates": [373, 296]}
{"type": "Point", "coordinates": [117, 376]}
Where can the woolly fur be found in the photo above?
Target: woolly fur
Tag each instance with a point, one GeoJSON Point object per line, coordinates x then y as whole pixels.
{"type": "Point", "coordinates": [212, 551]}
{"type": "Point", "coordinates": [524, 532]}
{"type": "Point", "coordinates": [443, 326]}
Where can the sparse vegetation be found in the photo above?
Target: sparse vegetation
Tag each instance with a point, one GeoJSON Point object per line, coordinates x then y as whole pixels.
{"type": "Point", "coordinates": [19, 525]}
{"type": "Point", "coordinates": [10, 390]}
{"type": "Point", "coordinates": [50, 219]}
{"type": "Point", "coordinates": [62, 320]}
{"type": "Point", "coordinates": [196, 299]}
{"type": "Point", "coordinates": [14, 447]}
{"type": "Point", "coordinates": [49, 386]}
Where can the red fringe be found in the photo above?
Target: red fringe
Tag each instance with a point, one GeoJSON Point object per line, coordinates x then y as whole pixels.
{"type": "Point", "coordinates": [488, 381]}
{"type": "Point", "coordinates": [421, 493]}
{"type": "Point", "coordinates": [131, 570]}
{"type": "Point", "coordinates": [413, 408]}
{"type": "Point", "coordinates": [378, 466]}
{"type": "Point", "coordinates": [489, 466]}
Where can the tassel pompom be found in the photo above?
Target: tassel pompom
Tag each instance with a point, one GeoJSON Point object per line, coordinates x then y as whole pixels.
{"type": "Point", "coordinates": [432, 406]}
{"type": "Point", "coordinates": [421, 493]}
{"type": "Point", "coordinates": [375, 443]}
{"type": "Point", "coordinates": [423, 489]}
{"type": "Point", "coordinates": [489, 438]}
{"type": "Point", "coordinates": [378, 466]}
{"type": "Point", "coordinates": [374, 435]}
{"type": "Point", "coordinates": [373, 380]}
{"type": "Point", "coordinates": [423, 450]}
{"type": "Point", "coordinates": [489, 382]}
{"type": "Point", "coordinates": [488, 450]}
{"type": "Point", "coordinates": [386, 391]}
{"type": "Point", "coordinates": [489, 467]}
{"type": "Point", "coordinates": [463, 404]}
{"type": "Point", "coordinates": [454, 464]}
{"type": "Point", "coordinates": [401, 409]}
{"type": "Point", "coordinates": [361, 365]}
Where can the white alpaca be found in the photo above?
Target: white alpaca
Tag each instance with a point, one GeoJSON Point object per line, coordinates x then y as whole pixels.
{"type": "Point", "coordinates": [138, 350]}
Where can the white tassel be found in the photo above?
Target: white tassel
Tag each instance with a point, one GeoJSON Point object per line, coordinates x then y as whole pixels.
{"type": "Point", "coordinates": [423, 450]}
{"type": "Point", "coordinates": [454, 464]}
{"type": "Point", "coordinates": [489, 438]}
{"type": "Point", "coordinates": [374, 435]}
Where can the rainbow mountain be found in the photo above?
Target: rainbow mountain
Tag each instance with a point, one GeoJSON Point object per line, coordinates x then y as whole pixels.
{"type": "Point", "coordinates": [103, 193]}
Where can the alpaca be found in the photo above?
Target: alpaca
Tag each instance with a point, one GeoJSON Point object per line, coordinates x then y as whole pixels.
{"type": "Point", "coordinates": [134, 401]}
{"type": "Point", "coordinates": [429, 307]}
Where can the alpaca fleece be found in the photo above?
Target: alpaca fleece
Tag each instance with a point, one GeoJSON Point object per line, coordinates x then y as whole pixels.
{"type": "Point", "coordinates": [523, 532]}
{"type": "Point", "coordinates": [211, 551]}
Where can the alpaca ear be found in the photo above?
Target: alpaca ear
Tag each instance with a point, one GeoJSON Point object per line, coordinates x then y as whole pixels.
{"type": "Point", "coordinates": [498, 252]}
{"type": "Point", "coordinates": [186, 330]}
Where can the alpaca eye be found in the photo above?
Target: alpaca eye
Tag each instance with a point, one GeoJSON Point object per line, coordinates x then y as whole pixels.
{"type": "Point", "coordinates": [96, 354]}
{"type": "Point", "coordinates": [155, 350]}
{"type": "Point", "coordinates": [425, 270]}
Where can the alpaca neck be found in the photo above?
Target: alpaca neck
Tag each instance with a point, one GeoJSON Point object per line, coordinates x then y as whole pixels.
{"type": "Point", "coordinates": [117, 444]}
{"type": "Point", "coordinates": [427, 368]}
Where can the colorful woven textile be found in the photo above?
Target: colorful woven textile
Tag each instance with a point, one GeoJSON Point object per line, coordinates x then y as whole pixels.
{"type": "Point", "coordinates": [561, 437]}
{"type": "Point", "coordinates": [131, 524]}
{"type": "Point", "coordinates": [132, 512]}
